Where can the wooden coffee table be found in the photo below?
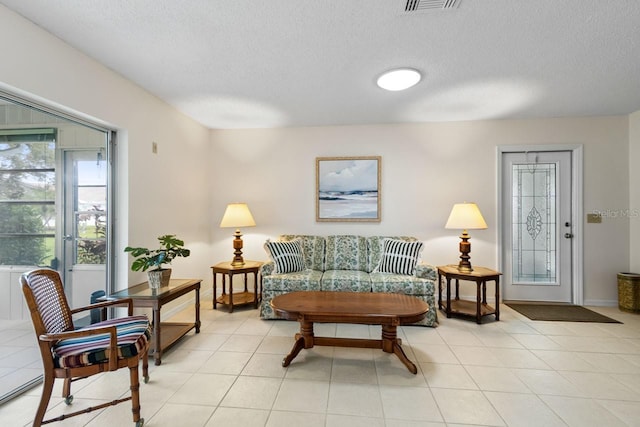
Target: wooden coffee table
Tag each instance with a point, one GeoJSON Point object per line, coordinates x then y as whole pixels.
{"type": "Point", "coordinates": [388, 310]}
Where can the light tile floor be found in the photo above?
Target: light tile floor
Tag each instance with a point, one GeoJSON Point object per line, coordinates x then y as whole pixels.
{"type": "Point", "coordinates": [515, 372]}
{"type": "Point", "coordinates": [20, 360]}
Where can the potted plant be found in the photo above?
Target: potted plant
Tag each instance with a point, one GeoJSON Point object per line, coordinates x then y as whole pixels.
{"type": "Point", "coordinates": [153, 259]}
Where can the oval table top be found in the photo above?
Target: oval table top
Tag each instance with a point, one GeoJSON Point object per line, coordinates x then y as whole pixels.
{"type": "Point", "coordinates": [350, 307]}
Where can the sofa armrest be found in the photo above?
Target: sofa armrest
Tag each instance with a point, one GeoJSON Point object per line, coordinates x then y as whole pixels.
{"type": "Point", "coordinates": [426, 271]}
{"type": "Point", "coordinates": [267, 268]}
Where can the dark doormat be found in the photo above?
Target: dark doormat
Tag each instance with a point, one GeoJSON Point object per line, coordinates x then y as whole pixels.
{"type": "Point", "coordinates": [559, 312]}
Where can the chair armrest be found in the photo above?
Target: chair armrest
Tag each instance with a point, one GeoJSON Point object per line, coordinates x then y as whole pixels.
{"type": "Point", "coordinates": [78, 333]}
{"type": "Point", "coordinates": [105, 304]}
{"type": "Point", "coordinates": [426, 271]}
{"type": "Point", "coordinates": [112, 351]}
{"type": "Point", "coordinates": [267, 268]}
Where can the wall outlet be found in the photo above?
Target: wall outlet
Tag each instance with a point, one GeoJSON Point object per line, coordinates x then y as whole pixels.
{"type": "Point", "coordinates": [594, 218]}
{"type": "Point", "coordinates": [154, 147]}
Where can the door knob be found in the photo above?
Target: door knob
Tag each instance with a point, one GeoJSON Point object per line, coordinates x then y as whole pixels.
{"type": "Point", "coordinates": [568, 235]}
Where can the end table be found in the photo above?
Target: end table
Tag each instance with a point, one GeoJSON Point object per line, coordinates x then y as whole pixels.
{"type": "Point", "coordinates": [165, 334]}
{"type": "Point", "coordinates": [478, 308]}
{"type": "Point", "coordinates": [240, 298]}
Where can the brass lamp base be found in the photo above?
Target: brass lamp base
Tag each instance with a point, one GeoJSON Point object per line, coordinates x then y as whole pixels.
{"type": "Point", "coordinates": [237, 261]}
{"type": "Point", "coordinates": [465, 247]}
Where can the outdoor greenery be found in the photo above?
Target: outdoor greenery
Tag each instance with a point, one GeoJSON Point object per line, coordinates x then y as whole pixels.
{"type": "Point", "coordinates": [170, 248]}
{"type": "Point", "coordinates": [94, 250]}
{"type": "Point", "coordinates": [16, 249]}
{"type": "Point", "coordinates": [23, 223]}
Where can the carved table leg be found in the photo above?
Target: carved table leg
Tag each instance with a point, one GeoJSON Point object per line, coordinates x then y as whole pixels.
{"type": "Point", "coordinates": [391, 344]}
{"type": "Point", "coordinates": [303, 340]}
{"type": "Point", "coordinates": [297, 346]}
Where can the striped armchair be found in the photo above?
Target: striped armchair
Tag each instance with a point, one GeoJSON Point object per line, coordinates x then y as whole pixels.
{"type": "Point", "coordinates": [72, 354]}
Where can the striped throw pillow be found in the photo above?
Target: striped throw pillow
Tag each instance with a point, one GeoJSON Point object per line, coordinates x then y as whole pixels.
{"type": "Point", "coordinates": [287, 256]}
{"type": "Point", "coordinates": [399, 257]}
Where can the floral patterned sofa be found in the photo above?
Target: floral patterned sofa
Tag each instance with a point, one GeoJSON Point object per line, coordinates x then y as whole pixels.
{"type": "Point", "coordinates": [346, 263]}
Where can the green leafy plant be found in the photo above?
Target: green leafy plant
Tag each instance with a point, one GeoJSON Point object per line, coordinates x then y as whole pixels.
{"type": "Point", "coordinates": [170, 248]}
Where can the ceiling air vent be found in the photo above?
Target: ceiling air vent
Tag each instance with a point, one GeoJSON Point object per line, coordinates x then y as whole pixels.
{"type": "Point", "coordinates": [411, 6]}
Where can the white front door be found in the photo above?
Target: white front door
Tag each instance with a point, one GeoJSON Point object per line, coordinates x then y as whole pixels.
{"type": "Point", "coordinates": [537, 226]}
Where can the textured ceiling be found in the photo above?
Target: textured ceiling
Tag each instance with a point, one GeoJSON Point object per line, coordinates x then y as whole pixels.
{"type": "Point", "coordinates": [255, 64]}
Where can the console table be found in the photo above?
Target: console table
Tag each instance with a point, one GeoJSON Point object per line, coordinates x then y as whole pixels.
{"type": "Point", "coordinates": [478, 308]}
{"type": "Point", "coordinates": [240, 298]}
{"type": "Point", "coordinates": [165, 334]}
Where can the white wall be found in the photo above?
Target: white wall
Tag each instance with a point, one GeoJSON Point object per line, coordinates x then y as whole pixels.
{"type": "Point", "coordinates": [426, 168]}
{"type": "Point", "coordinates": [159, 193]}
{"type": "Point", "coordinates": [634, 198]}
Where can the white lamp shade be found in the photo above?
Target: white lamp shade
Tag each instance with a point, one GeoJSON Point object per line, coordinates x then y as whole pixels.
{"type": "Point", "coordinates": [237, 215]}
{"type": "Point", "coordinates": [466, 216]}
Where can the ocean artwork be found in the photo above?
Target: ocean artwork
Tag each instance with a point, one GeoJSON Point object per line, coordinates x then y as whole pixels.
{"type": "Point", "coordinates": [347, 189]}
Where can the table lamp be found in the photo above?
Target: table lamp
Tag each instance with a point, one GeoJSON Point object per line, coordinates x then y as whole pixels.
{"type": "Point", "coordinates": [465, 216]}
{"type": "Point", "coordinates": [237, 215]}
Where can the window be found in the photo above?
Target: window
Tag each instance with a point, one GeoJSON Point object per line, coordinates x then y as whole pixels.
{"type": "Point", "coordinates": [89, 203]}
{"type": "Point", "coordinates": [27, 196]}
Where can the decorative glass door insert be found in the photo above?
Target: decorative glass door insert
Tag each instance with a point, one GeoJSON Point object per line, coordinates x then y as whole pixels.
{"type": "Point", "coordinates": [534, 223]}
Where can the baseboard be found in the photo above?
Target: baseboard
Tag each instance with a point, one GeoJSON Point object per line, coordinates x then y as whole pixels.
{"type": "Point", "coordinates": [601, 302]}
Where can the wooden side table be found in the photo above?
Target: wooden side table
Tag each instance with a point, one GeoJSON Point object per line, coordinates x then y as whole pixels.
{"type": "Point", "coordinates": [478, 308]}
{"type": "Point", "coordinates": [240, 298]}
{"type": "Point", "coordinates": [165, 334]}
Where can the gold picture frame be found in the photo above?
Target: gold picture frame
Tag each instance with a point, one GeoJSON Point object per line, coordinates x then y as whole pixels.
{"type": "Point", "coordinates": [348, 189]}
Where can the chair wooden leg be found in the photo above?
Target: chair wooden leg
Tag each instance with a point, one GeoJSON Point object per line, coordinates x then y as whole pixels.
{"type": "Point", "coordinates": [135, 392]}
{"type": "Point", "coordinates": [66, 391]}
{"type": "Point", "coordinates": [66, 388]}
{"type": "Point", "coordinates": [145, 366]}
{"type": "Point", "coordinates": [47, 389]}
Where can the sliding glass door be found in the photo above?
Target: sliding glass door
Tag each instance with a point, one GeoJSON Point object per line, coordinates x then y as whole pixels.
{"type": "Point", "coordinates": [54, 212]}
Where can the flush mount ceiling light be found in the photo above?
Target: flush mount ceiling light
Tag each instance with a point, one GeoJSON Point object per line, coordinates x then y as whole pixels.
{"type": "Point", "coordinates": [399, 79]}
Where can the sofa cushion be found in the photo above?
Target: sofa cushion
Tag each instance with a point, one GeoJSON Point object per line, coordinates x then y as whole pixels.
{"type": "Point", "coordinates": [399, 257]}
{"type": "Point", "coordinates": [307, 280]}
{"type": "Point", "coordinates": [401, 284]}
{"type": "Point", "coordinates": [346, 280]}
{"type": "Point", "coordinates": [313, 249]}
{"type": "Point", "coordinates": [346, 253]}
{"type": "Point", "coordinates": [287, 256]}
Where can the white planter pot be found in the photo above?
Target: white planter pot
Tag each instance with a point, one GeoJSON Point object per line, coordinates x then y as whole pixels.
{"type": "Point", "coordinates": [159, 278]}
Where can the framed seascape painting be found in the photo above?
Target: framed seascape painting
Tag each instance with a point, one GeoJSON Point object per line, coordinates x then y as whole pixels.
{"type": "Point", "coordinates": [348, 188]}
